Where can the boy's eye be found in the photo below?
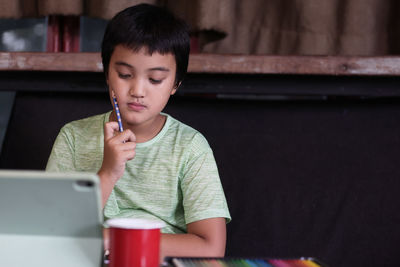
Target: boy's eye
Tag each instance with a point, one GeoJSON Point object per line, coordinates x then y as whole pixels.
{"type": "Point", "coordinates": [155, 81]}
{"type": "Point", "coordinates": [124, 76]}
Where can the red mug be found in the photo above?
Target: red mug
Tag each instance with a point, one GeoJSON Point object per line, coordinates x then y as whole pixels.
{"type": "Point", "coordinates": [134, 242]}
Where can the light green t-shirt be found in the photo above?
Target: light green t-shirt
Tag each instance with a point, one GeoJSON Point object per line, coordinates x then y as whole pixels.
{"type": "Point", "coordinates": [173, 177]}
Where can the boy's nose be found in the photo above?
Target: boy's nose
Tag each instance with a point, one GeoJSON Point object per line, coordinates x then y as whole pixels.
{"type": "Point", "coordinates": [137, 89]}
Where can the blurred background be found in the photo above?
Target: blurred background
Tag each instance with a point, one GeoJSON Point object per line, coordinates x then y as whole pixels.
{"type": "Point", "coordinates": [281, 27]}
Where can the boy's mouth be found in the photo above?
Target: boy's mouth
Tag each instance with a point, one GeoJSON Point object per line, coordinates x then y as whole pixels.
{"type": "Point", "coordinates": [136, 106]}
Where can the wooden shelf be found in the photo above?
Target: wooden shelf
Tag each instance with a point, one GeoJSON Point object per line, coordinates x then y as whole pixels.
{"type": "Point", "coordinates": [213, 63]}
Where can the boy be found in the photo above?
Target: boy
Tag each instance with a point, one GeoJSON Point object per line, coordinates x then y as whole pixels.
{"type": "Point", "coordinates": [151, 166]}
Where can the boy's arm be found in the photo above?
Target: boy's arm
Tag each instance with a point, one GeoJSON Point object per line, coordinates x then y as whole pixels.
{"type": "Point", "coordinates": [118, 149]}
{"type": "Point", "coordinates": [205, 238]}
{"type": "Point", "coordinates": [203, 197]}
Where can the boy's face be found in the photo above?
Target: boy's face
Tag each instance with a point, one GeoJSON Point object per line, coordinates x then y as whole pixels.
{"type": "Point", "coordinates": [142, 83]}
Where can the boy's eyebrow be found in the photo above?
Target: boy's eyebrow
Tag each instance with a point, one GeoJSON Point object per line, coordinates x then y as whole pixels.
{"type": "Point", "coordinates": [159, 69]}
{"type": "Point", "coordinates": [121, 63]}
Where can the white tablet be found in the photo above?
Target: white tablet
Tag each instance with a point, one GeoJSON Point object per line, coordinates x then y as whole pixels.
{"type": "Point", "coordinates": [50, 219]}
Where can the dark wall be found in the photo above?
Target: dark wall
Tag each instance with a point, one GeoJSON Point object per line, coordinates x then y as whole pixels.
{"type": "Point", "coordinates": [302, 178]}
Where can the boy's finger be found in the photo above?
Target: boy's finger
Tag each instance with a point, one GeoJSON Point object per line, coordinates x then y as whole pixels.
{"type": "Point", "coordinates": [109, 129]}
{"type": "Point", "coordinates": [127, 136]}
{"type": "Point", "coordinates": [129, 154]}
{"type": "Point", "coordinates": [128, 146]}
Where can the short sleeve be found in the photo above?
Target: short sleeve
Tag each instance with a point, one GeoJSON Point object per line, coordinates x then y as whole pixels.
{"type": "Point", "coordinates": [62, 154]}
{"type": "Point", "coordinates": [203, 195]}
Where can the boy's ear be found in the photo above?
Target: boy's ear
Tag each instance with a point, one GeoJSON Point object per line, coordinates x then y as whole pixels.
{"type": "Point", "coordinates": [175, 88]}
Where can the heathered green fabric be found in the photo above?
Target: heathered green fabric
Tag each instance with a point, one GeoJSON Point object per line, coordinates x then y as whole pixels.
{"type": "Point", "coordinates": [173, 177]}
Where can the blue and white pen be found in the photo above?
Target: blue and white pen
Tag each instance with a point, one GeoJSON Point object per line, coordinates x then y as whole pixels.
{"type": "Point", "coordinates": [121, 128]}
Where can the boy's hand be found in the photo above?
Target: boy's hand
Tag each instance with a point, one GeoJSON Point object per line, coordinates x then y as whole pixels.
{"type": "Point", "coordinates": [118, 149]}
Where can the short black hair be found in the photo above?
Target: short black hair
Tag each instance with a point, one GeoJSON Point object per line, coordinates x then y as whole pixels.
{"type": "Point", "coordinates": [152, 27]}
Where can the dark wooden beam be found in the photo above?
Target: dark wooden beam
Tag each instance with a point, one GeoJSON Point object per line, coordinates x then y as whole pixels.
{"type": "Point", "coordinates": [212, 63]}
